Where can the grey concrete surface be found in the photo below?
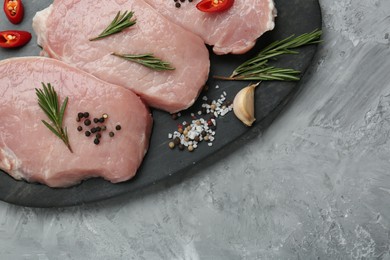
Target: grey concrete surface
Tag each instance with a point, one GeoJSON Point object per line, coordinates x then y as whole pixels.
{"type": "Point", "coordinates": [315, 185]}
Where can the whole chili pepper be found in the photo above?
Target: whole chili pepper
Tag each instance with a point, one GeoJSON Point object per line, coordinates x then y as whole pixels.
{"type": "Point", "coordinates": [14, 39]}
{"type": "Point", "coordinates": [213, 6]}
{"type": "Point", "coordinates": [14, 10]}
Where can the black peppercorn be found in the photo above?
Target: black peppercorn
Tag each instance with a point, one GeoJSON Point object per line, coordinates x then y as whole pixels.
{"type": "Point", "coordinates": [80, 115]}
{"type": "Point", "coordinates": [86, 114]}
{"type": "Point", "coordinates": [118, 127]}
{"type": "Point", "coordinates": [111, 134]}
{"type": "Point", "coordinates": [176, 141]}
{"type": "Point", "coordinates": [96, 141]}
{"type": "Point", "coordinates": [87, 122]}
{"type": "Point", "coordinates": [101, 120]}
{"type": "Point", "coordinates": [93, 130]}
{"type": "Point", "coordinates": [96, 120]}
{"type": "Point", "coordinates": [177, 5]}
{"type": "Point", "coordinates": [79, 128]}
{"type": "Point", "coordinates": [174, 116]}
{"type": "Point", "coordinates": [87, 133]}
{"type": "Point", "coordinates": [98, 135]}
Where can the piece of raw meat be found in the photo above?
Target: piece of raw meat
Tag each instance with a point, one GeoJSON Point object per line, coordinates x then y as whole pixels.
{"type": "Point", "coordinates": [30, 151]}
{"type": "Point", "coordinates": [233, 31]}
{"type": "Point", "coordinates": [64, 30]}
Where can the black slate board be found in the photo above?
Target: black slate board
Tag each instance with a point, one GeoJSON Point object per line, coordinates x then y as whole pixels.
{"type": "Point", "coordinates": [161, 163]}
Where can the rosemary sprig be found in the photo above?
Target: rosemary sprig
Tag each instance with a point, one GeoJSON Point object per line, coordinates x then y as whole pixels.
{"type": "Point", "coordinates": [120, 22]}
{"type": "Point", "coordinates": [266, 73]}
{"type": "Point", "coordinates": [257, 68]}
{"type": "Point", "coordinates": [147, 60]}
{"type": "Point", "coordinates": [48, 101]}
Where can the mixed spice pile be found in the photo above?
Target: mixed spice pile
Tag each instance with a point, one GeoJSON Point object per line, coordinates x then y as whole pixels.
{"type": "Point", "coordinates": [203, 125]}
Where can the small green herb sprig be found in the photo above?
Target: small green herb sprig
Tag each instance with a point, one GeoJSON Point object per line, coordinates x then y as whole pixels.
{"type": "Point", "coordinates": [258, 69]}
{"type": "Point", "coordinates": [48, 101]}
{"type": "Point", "coordinates": [147, 60]}
{"type": "Point", "coordinates": [120, 22]}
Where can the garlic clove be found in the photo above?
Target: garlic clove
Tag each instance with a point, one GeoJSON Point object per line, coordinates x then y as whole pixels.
{"type": "Point", "coordinates": [244, 104]}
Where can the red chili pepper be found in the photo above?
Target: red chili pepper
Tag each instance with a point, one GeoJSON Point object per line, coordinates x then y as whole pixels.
{"type": "Point", "coordinates": [213, 6]}
{"type": "Point", "coordinates": [14, 10]}
{"type": "Point", "coordinates": [14, 39]}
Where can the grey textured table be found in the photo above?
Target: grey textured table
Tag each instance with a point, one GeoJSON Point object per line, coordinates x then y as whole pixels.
{"type": "Point", "coordinates": [315, 185]}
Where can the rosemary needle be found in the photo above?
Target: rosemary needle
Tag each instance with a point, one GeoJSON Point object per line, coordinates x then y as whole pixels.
{"type": "Point", "coordinates": [48, 101]}
{"type": "Point", "coordinates": [257, 68]}
{"type": "Point", "coordinates": [147, 60]}
{"type": "Point", "coordinates": [120, 22]}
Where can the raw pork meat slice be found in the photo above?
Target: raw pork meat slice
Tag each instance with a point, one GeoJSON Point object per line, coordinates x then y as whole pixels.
{"type": "Point", "coordinates": [64, 30]}
{"type": "Point", "coordinates": [233, 31]}
{"type": "Point", "coordinates": [30, 151]}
